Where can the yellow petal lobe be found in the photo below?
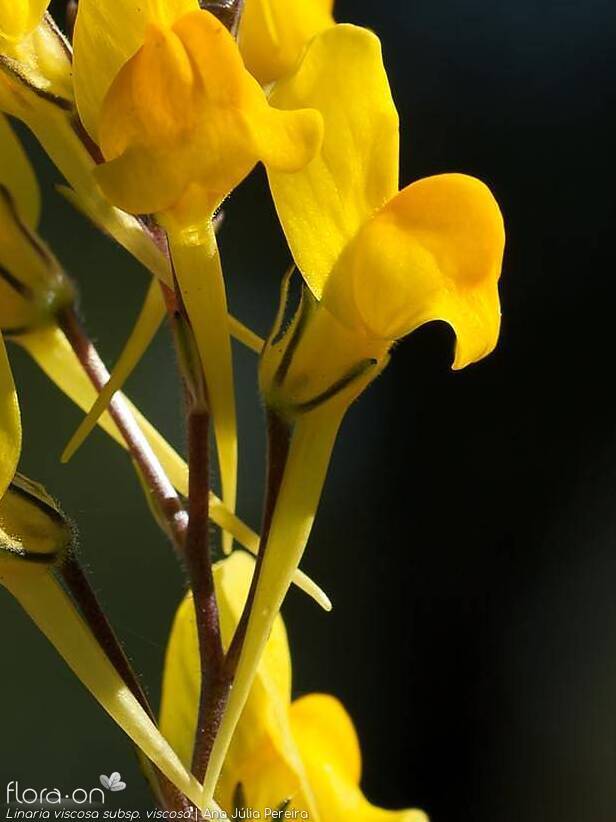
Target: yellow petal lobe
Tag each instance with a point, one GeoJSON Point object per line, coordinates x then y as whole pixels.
{"type": "Point", "coordinates": [157, 83]}
{"type": "Point", "coordinates": [184, 122]}
{"type": "Point", "coordinates": [322, 206]}
{"type": "Point", "coordinates": [434, 252]}
{"type": "Point", "coordinates": [273, 34]}
{"type": "Point", "coordinates": [322, 726]}
{"type": "Point", "coordinates": [329, 748]}
{"type": "Point", "coordinates": [105, 39]}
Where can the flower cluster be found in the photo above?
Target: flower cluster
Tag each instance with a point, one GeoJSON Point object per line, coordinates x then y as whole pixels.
{"type": "Point", "coordinates": [154, 111]}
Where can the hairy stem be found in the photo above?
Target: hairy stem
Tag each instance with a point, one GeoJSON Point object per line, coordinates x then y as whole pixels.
{"type": "Point", "coordinates": [212, 712]}
{"type": "Point", "coordinates": [82, 592]}
{"type": "Point", "coordinates": [197, 553]}
{"type": "Point", "coordinates": [157, 481]}
{"type": "Point", "coordinates": [199, 565]}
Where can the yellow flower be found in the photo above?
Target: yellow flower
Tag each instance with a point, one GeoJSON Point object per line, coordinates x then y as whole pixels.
{"type": "Point", "coordinates": [384, 262]}
{"type": "Point", "coordinates": [304, 751]}
{"type": "Point", "coordinates": [378, 263]}
{"type": "Point", "coordinates": [163, 90]}
{"type": "Point", "coordinates": [274, 33]}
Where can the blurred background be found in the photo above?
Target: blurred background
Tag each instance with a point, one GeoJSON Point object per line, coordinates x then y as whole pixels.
{"type": "Point", "coordinates": [467, 533]}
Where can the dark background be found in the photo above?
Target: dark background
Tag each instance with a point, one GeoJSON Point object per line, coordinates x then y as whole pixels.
{"type": "Point", "coordinates": [467, 533]}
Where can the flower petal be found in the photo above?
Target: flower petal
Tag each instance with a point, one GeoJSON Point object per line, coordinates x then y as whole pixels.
{"type": "Point", "coordinates": [17, 176]}
{"type": "Point", "coordinates": [323, 728]}
{"type": "Point", "coordinates": [328, 745]}
{"type": "Point", "coordinates": [273, 34]}
{"type": "Point", "coordinates": [322, 206]}
{"type": "Point", "coordinates": [10, 423]}
{"type": "Point", "coordinates": [105, 38]}
{"type": "Point", "coordinates": [19, 17]}
{"type": "Point", "coordinates": [285, 141]}
{"type": "Point", "coordinates": [434, 252]}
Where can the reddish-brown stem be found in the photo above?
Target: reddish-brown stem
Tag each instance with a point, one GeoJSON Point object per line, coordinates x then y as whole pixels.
{"type": "Point", "coordinates": [80, 589]}
{"type": "Point", "coordinates": [279, 438]}
{"type": "Point", "coordinates": [197, 555]}
{"type": "Point", "coordinates": [198, 562]}
{"type": "Point", "coordinates": [168, 501]}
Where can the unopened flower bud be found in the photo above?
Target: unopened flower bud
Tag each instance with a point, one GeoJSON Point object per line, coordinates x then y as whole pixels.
{"type": "Point", "coordinates": [33, 288]}
{"type": "Point", "coordinates": [34, 533]}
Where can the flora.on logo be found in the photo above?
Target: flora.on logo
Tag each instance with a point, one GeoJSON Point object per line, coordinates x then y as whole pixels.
{"type": "Point", "coordinates": [112, 782]}
{"type": "Point", "coordinates": [52, 796]}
